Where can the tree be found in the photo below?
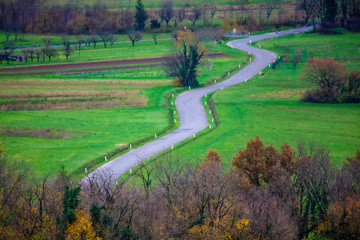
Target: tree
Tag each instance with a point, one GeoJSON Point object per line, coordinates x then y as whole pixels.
{"type": "Point", "coordinates": [140, 16]}
{"type": "Point", "coordinates": [7, 50]}
{"type": "Point", "coordinates": [105, 37]}
{"type": "Point", "coordinates": [257, 161]}
{"type": "Point", "coordinates": [185, 59]}
{"type": "Point", "coordinates": [328, 74]}
{"type": "Point", "coordinates": [81, 228]}
{"type": "Point", "coordinates": [242, 7]}
{"type": "Point", "coordinates": [180, 15]}
{"type": "Point", "coordinates": [134, 36]}
{"type": "Point", "coordinates": [331, 9]}
{"type": "Point", "coordinates": [296, 58]}
{"type": "Point", "coordinates": [314, 179]}
{"type": "Point", "coordinates": [70, 204]}
{"type": "Point", "coordinates": [166, 11]}
{"type": "Point", "coordinates": [270, 6]}
{"type": "Point", "coordinates": [154, 24]}
{"type": "Point", "coordinates": [67, 51]}
{"type": "Point", "coordinates": [213, 157]}
{"type": "Point", "coordinates": [65, 39]}
{"type": "Point", "coordinates": [49, 51]}
{"type": "Point", "coordinates": [28, 53]}
{"type": "Point", "coordinates": [309, 8]}
{"type": "Point", "coordinates": [154, 36]}
{"type": "Point", "coordinates": [93, 39]}
{"type": "Point", "coordinates": [195, 15]}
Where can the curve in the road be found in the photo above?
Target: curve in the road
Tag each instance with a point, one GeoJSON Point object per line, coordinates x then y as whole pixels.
{"type": "Point", "coordinates": [191, 112]}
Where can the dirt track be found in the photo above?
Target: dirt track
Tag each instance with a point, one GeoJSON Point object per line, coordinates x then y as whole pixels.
{"type": "Point", "coordinates": [92, 65]}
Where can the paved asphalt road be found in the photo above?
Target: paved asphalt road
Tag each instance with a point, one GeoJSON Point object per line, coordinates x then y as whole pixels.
{"type": "Point", "coordinates": [191, 112]}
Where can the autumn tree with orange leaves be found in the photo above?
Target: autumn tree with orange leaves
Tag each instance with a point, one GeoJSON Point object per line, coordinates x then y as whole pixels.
{"type": "Point", "coordinates": [185, 59]}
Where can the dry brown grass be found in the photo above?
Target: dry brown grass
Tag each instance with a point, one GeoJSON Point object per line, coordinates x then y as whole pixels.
{"type": "Point", "coordinates": [39, 133]}
{"type": "Point", "coordinates": [71, 100]}
{"type": "Point", "coordinates": [284, 94]}
{"type": "Point", "coordinates": [76, 84]}
{"type": "Point", "coordinates": [70, 94]}
{"type": "Point", "coordinates": [75, 104]}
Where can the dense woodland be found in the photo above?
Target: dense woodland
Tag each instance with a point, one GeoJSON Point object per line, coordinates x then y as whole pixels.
{"type": "Point", "coordinates": [268, 194]}
{"type": "Point", "coordinates": [42, 16]}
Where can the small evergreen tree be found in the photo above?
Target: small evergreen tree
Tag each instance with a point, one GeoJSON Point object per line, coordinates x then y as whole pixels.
{"type": "Point", "coordinates": [71, 203]}
{"type": "Point", "coordinates": [140, 16]}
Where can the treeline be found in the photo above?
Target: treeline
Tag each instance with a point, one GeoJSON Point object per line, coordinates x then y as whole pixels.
{"type": "Point", "coordinates": [39, 16]}
{"type": "Point", "coordinates": [269, 194]}
{"type": "Point", "coordinates": [42, 16]}
{"type": "Point", "coordinates": [332, 13]}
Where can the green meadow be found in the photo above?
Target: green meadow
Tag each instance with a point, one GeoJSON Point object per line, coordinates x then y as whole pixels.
{"type": "Point", "coordinates": [268, 105]}
{"type": "Point", "coordinates": [75, 119]}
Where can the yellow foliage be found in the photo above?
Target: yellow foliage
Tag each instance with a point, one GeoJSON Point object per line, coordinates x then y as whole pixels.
{"type": "Point", "coordinates": [187, 38]}
{"type": "Point", "coordinates": [81, 228]}
{"type": "Point", "coordinates": [46, 230]}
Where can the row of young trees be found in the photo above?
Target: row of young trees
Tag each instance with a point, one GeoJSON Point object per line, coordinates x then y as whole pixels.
{"type": "Point", "coordinates": [269, 194]}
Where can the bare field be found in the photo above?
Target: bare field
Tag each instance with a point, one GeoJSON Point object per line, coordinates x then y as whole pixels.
{"type": "Point", "coordinates": [39, 133]}
{"type": "Point", "coordinates": [71, 100]}
{"type": "Point", "coordinates": [38, 85]}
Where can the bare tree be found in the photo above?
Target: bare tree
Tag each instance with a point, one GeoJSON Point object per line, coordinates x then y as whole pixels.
{"type": "Point", "coordinates": [166, 11]}
{"type": "Point", "coordinates": [7, 50]}
{"type": "Point", "coordinates": [105, 37]}
{"type": "Point", "coordinates": [308, 6]}
{"type": "Point", "coordinates": [65, 39]}
{"type": "Point", "coordinates": [195, 15]}
{"type": "Point", "coordinates": [270, 6]}
{"type": "Point", "coordinates": [39, 54]}
{"type": "Point", "coordinates": [180, 15]}
{"type": "Point", "coordinates": [112, 39]}
{"type": "Point", "coordinates": [94, 39]}
{"type": "Point", "coordinates": [49, 51]}
{"type": "Point", "coordinates": [154, 36]}
{"type": "Point", "coordinates": [67, 51]}
{"type": "Point", "coordinates": [28, 53]}
{"type": "Point", "coordinates": [79, 41]}
{"type": "Point", "coordinates": [242, 7]}
{"type": "Point", "coordinates": [134, 36]}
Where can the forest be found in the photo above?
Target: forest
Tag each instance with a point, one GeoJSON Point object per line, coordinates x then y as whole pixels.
{"type": "Point", "coordinates": [267, 194]}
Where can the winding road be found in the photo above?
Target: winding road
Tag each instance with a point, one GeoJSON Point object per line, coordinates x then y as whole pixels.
{"type": "Point", "coordinates": [191, 112]}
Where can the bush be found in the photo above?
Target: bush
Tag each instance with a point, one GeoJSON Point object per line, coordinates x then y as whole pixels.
{"type": "Point", "coordinates": [335, 85]}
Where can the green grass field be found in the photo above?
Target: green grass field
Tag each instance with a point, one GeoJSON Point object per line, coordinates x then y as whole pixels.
{"type": "Point", "coordinates": [268, 106]}
{"type": "Point", "coordinates": [75, 119]}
